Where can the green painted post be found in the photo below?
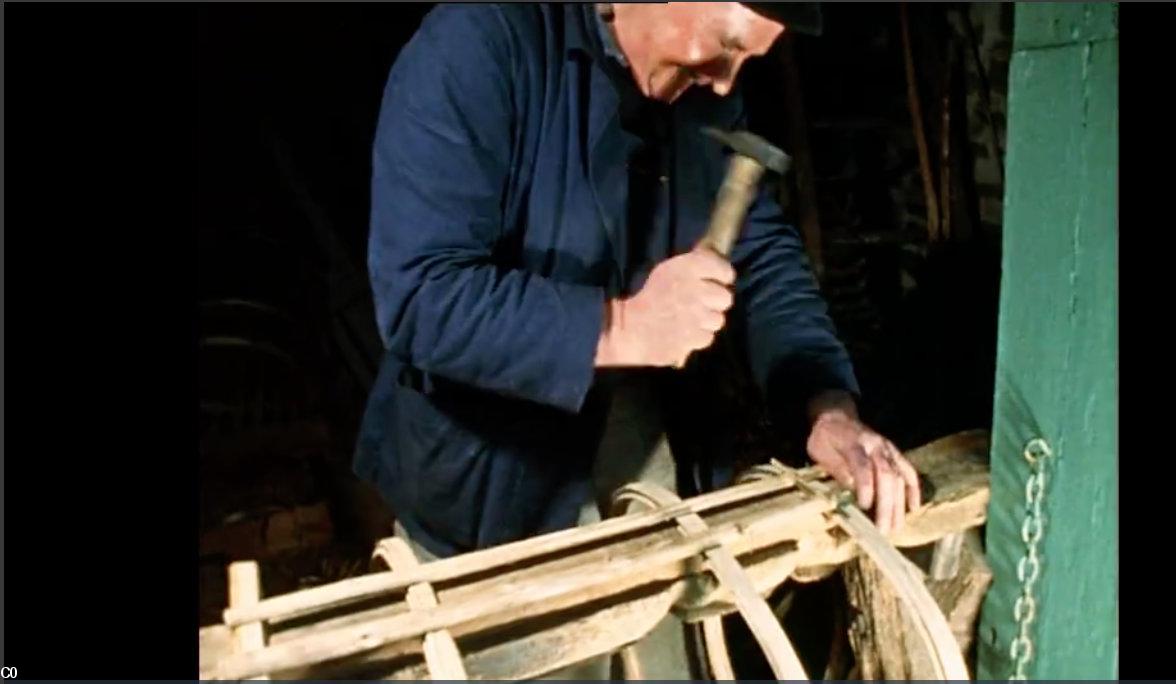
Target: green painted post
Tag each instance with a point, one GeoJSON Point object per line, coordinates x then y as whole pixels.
{"type": "Point", "coordinates": [1057, 375]}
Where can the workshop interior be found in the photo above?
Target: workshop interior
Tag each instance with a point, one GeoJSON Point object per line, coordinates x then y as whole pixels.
{"type": "Point", "coordinates": [953, 175]}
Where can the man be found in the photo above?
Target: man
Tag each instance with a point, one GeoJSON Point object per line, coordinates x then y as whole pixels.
{"type": "Point", "coordinates": [540, 184]}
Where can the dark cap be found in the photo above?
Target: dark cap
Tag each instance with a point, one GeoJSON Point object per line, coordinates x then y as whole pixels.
{"type": "Point", "coordinates": [797, 17]}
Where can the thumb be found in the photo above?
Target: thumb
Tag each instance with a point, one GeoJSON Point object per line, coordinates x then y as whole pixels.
{"type": "Point", "coordinates": [831, 460]}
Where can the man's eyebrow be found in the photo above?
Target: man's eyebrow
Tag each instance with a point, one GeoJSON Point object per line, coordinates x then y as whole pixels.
{"type": "Point", "coordinates": [733, 42]}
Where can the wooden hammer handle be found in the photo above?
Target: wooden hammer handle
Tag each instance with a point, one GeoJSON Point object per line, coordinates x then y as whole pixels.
{"type": "Point", "coordinates": [735, 196]}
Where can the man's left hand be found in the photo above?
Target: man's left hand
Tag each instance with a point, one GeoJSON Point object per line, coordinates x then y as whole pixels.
{"type": "Point", "coordinates": [865, 461]}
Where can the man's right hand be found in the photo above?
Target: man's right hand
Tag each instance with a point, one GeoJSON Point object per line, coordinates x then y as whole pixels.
{"type": "Point", "coordinates": [679, 310]}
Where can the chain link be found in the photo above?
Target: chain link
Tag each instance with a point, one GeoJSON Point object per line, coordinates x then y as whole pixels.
{"type": "Point", "coordinates": [1037, 453]}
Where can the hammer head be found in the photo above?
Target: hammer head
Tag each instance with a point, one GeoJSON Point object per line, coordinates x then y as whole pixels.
{"type": "Point", "coordinates": [754, 147]}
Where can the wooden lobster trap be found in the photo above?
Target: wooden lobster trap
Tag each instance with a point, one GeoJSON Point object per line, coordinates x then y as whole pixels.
{"type": "Point", "coordinates": [529, 608]}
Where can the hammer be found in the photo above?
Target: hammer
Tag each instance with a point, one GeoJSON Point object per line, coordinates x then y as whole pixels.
{"type": "Point", "coordinates": [752, 155]}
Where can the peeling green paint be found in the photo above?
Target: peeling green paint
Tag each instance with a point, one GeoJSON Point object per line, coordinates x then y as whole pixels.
{"type": "Point", "coordinates": [1058, 347]}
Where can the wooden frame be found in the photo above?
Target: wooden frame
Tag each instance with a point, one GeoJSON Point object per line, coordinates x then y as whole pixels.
{"type": "Point", "coordinates": [531, 607]}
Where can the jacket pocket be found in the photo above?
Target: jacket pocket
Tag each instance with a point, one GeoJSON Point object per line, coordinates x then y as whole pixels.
{"type": "Point", "coordinates": [443, 472]}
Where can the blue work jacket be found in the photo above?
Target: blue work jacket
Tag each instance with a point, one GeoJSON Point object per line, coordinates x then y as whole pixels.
{"type": "Point", "coordinates": [499, 226]}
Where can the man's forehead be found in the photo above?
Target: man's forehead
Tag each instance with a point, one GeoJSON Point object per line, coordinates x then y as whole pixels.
{"type": "Point", "coordinates": [733, 20]}
{"type": "Point", "coordinates": [797, 17]}
{"type": "Point", "coordinates": [730, 18]}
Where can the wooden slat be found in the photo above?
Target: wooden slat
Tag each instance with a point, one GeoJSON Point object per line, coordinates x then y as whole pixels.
{"type": "Point", "coordinates": [764, 627]}
{"type": "Point", "coordinates": [441, 654]}
{"type": "Point", "coordinates": [245, 591]}
{"type": "Point", "coordinates": [447, 569]}
{"type": "Point", "coordinates": [539, 653]}
{"type": "Point", "coordinates": [717, 655]}
{"type": "Point", "coordinates": [777, 516]}
{"type": "Point", "coordinates": [215, 642]}
{"type": "Point", "coordinates": [509, 601]}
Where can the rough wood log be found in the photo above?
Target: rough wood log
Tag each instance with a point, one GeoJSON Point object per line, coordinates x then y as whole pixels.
{"type": "Point", "coordinates": [881, 630]}
{"type": "Point", "coordinates": [933, 650]}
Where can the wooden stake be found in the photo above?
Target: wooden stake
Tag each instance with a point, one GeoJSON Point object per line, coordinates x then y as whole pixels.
{"type": "Point", "coordinates": [945, 562]}
{"type": "Point", "coordinates": [945, 142]}
{"type": "Point", "coordinates": [807, 209]}
{"type": "Point", "coordinates": [245, 591]}
{"type": "Point", "coordinates": [916, 108]}
{"type": "Point", "coordinates": [961, 595]}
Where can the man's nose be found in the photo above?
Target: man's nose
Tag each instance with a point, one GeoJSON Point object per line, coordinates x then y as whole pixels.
{"type": "Point", "coordinates": [722, 85]}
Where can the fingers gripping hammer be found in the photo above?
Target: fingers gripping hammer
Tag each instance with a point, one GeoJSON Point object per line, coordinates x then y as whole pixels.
{"type": "Point", "coordinates": [752, 155]}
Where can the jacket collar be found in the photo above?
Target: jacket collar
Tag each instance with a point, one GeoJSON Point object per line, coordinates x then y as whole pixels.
{"type": "Point", "coordinates": [577, 34]}
{"type": "Point", "coordinates": [606, 144]}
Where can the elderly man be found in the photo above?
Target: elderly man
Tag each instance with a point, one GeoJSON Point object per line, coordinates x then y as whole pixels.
{"type": "Point", "coordinates": [540, 184]}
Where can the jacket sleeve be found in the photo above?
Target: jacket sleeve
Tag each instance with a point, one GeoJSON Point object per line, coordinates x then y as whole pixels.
{"type": "Point", "coordinates": [791, 342]}
{"type": "Point", "coordinates": [442, 165]}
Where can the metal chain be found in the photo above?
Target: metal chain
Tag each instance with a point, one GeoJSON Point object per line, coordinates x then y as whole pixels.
{"type": "Point", "coordinates": [1037, 452]}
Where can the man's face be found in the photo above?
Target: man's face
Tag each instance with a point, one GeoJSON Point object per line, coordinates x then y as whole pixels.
{"type": "Point", "coordinates": [672, 46]}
